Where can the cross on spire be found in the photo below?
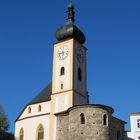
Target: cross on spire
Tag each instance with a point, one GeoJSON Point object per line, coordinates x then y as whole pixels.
{"type": "Point", "coordinates": [71, 17]}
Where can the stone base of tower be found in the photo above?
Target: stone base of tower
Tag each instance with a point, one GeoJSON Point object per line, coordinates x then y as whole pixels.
{"type": "Point", "coordinates": [89, 122]}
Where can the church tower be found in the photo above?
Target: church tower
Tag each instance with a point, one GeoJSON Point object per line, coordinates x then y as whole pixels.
{"type": "Point", "coordinates": [69, 84]}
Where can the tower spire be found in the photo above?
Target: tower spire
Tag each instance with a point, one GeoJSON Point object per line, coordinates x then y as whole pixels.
{"type": "Point", "coordinates": [71, 12]}
{"type": "Point", "coordinates": [70, 30]}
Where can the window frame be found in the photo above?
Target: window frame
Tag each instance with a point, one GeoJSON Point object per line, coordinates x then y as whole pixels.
{"type": "Point", "coordinates": [82, 118]}
{"type": "Point", "coordinates": [21, 134]}
{"type": "Point", "coordinates": [138, 123]}
{"type": "Point", "coordinates": [62, 71]}
{"type": "Point", "coordinates": [40, 132]}
{"type": "Point", "coordinates": [105, 120]}
{"type": "Point", "coordinates": [39, 108]}
{"type": "Point", "coordinates": [79, 74]}
{"type": "Point", "coordinates": [29, 110]}
{"type": "Point", "coordinates": [62, 86]}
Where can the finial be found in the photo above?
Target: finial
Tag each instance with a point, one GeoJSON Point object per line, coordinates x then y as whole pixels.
{"type": "Point", "coordinates": [71, 12]}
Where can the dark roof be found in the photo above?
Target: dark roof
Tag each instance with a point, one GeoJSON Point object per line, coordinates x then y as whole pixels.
{"type": "Point", "coordinates": [120, 120]}
{"type": "Point", "coordinates": [86, 106]}
{"type": "Point", "coordinates": [69, 30]}
{"type": "Point", "coordinates": [44, 95]}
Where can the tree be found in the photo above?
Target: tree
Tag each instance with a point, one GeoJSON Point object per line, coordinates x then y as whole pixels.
{"type": "Point", "coordinates": [4, 125]}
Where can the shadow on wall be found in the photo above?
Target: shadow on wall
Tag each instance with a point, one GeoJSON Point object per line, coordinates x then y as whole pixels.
{"type": "Point", "coordinates": [129, 139]}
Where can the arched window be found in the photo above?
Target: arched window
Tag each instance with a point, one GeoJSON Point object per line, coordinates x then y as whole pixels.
{"type": "Point", "coordinates": [39, 108]}
{"type": "Point", "coordinates": [21, 134]}
{"type": "Point", "coordinates": [105, 119]}
{"type": "Point", "coordinates": [82, 118]}
{"type": "Point", "coordinates": [62, 71]}
{"type": "Point", "coordinates": [79, 74]}
{"type": "Point", "coordinates": [29, 110]}
{"type": "Point", "coordinates": [40, 133]}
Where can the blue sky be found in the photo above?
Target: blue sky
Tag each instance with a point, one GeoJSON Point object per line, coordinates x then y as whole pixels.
{"type": "Point", "coordinates": [27, 34]}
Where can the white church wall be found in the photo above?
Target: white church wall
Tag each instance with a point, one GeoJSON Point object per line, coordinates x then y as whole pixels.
{"type": "Point", "coordinates": [45, 108]}
{"type": "Point", "coordinates": [30, 126]}
{"type": "Point", "coordinates": [61, 102]}
{"type": "Point", "coordinates": [66, 79]}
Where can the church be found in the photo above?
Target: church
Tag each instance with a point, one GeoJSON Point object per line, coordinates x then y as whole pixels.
{"type": "Point", "coordinates": [61, 111]}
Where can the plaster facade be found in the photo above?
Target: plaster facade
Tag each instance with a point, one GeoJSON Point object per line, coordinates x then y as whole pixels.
{"type": "Point", "coordinates": [29, 122]}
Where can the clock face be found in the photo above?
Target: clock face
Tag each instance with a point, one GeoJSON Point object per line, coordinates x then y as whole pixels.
{"type": "Point", "coordinates": [63, 53]}
{"type": "Point", "coordinates": [80, 55]}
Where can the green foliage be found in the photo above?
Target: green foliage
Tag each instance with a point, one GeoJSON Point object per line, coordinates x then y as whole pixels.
{"type": "Point", "coordinates": [7, 136]}
{"type": "Point", "coordinates": [4, 125]}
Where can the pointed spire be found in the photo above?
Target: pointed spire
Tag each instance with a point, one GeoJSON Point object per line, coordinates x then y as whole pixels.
{"type": "Point", "coordinates": [71, 12]}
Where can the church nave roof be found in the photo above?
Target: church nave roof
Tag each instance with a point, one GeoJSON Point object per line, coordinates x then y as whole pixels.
{"type": "Point", "coordinates": [43, 96]}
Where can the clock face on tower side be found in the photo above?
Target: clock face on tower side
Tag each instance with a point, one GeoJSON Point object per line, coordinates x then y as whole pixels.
{"type": "Point", "coordinates": [80, 55]}
{"type": "Point", "coordinates": [63, 52]}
